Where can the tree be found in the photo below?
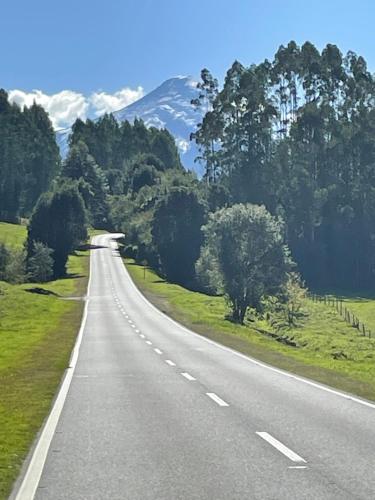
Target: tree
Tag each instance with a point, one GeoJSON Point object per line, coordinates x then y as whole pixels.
{"type": "Point", "coordinates": [297, 135]}
{"type": "Point", "coordinates": [4, 261]}
{"type": "Point", "coordinates": [81, 166]}
{"type": "Point", "coordinates": [40, 263]}
{"type": "Point", "coordinates": [119, 148]}
{"type": "Point", "coordinates": [163, 146]}
{"type": "Point", "coordinates": [15, 271]}
{"type": "Point", "coordinates": [59, 222]}
{"type": "Point", "coordinates": [29, 157]}
{"type": "Point", "coordinates": [176, 233]}
{"type": "Point", "coordinates": [246, 246]}
{"type": "Point", "coordinates": [144, 175]}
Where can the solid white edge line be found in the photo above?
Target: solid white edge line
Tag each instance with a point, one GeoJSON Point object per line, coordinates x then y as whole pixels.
{"type": "Point", "coordinates": [249, 358]}
{"type": "Point", "coordinates": [35, 467]}
{"type": "Point", "coordinates": [281, 447]}
{"type": "Point", "coordinates": [216, 398]}
{"type": "Point", "coordinates": [188, 376]}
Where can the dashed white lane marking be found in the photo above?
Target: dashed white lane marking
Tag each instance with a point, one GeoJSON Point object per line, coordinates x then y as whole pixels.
{"type": "Point", "coordinates": [148, 342]}
{"type": "Point", "coordinates": [133, 326]}
{"type": "Point", "coordinates": [297, 467]}
{"type": "Point", "coordinates": [281, 447]}
{"type": "Point", "coordinates": [136, 331]}
{"type": "Point", "coordinates": [142, 336]}
{"type": "Point", "coordinates": [130, 321]}
{"type": "Point", "coordinates": [170, 363]}
{"type": "Point", "coordinates": [216, 398]}
{"type": "Point", "coordinates": [158, 351]}
{"type": "Point", "coordinates": [188, 376]}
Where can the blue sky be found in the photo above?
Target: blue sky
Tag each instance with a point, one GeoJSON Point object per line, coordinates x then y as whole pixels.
{"type": "Point", "coordinates": [91, 47]}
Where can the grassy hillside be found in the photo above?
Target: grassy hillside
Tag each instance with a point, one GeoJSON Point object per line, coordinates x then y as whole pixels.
{"type": "Point", "coordinates": [362, 306]}
{"type": "Point", "coordinates": [37, 333]}
{"type": "Point", "coordinates": [12, 235]}
{"type": "Point", "coordinates": [327, 349]}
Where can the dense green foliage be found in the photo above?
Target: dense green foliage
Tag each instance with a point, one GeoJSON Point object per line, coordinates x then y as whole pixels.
{"type": "Point", "coordinates": [59, 222]}
{"type": "Point", "coordinates": [115, 147]}
{"type": "Point", "coordinates": [151, 198]}
{"type": "Point", "coordinates": [92, 183]}
{"type": "Point", "coordinates": [176, 233]}
{"type": "Point", "coordinates": [40, 263]}
{"type": "Point", "coordinates": [29, 157]}
{"type": "Point", "coordinates": [298, 135]}
{"type": "Point", "coordinates": [244, 247]}
{"type": "Point", "coordinates": [4, 261]}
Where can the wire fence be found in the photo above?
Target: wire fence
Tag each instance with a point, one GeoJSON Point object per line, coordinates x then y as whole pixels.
{"type": "Point", "coordinates": [344, 312]}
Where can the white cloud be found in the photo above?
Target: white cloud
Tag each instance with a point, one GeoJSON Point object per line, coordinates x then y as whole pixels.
{"type": "Point", "coordinates": [63, 107]}
{"type": "Point", "coordinates": [66, 106]}
{"type": "Point", "coordinates": [106, 103]}
{"type": "Point", "coordinates": [182, 145]}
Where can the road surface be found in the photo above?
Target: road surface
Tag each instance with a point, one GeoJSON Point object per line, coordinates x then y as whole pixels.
{"type": "Point", "coordinates": [155, 412]}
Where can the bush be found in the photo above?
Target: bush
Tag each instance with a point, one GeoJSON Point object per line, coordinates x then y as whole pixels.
{"type": "Point", "coordinates": [176, 233]}
{"type": "Point", "coordinates": [40, 263]}
{"type": "Point", "coordinates": [15, 272]}
{"type": "Point", "coordinates": [244, 246]}
{"type": "Point", "coordinates": [4, 260]}
{"type": "Point", "coordinates": [59, 222]}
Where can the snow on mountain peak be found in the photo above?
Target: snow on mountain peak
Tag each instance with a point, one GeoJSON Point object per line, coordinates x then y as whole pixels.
{"type": "Point", "coordinates": [168, 106]}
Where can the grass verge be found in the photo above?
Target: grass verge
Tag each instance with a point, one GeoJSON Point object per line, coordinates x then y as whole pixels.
{"type": "Point", "coordinates": [12, 235]}
{"type": "Point", "coordinates": [327, 349]}
{"type": "Point", "coordinates": [37, 333]}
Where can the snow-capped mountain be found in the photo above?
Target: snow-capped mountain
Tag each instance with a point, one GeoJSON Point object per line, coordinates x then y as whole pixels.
{"type": "Point", "coordinates": [168, 106]}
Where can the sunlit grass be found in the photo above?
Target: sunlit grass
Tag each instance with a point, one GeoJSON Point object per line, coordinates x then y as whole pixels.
{"type": "Point", "coordinates": [12, 235]}
{"type": "Point", "coordinates": [37, 333]}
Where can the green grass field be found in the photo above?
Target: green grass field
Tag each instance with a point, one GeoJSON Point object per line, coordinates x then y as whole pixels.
{"type": "Point", "coordinates": [362, 306]}
{"type": "Point", "coordinates": [37, 333]}
{"type": "Point", "coordinates": [12, 235]}
{"type": "Point", "coordinates": [328, 350]}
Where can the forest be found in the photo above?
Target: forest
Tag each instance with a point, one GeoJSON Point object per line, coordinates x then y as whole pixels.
{"type": "Point", "coordinates": [296, 134]}
{"type": "Point", "coordinates": [288, 148]}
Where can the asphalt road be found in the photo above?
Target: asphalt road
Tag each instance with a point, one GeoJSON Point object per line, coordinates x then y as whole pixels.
{"type": "Point", "coordinates": [156, 412]}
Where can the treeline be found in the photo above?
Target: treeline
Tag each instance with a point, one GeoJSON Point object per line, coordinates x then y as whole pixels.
{"type": "Point", "coordinates": [88, 188]}
{"type": "Point", "coordinates": [297, 134]}
{"type": "Point", "coordinates": [106, 162]}
{"type": "Point", "coordinates": [115, 146]}
{"type": "Point", "coordinates": [29, 157]}
{"type": "Point", "coordinates": [183, 228]}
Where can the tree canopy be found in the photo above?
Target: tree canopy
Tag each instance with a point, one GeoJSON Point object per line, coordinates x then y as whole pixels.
{"type": "Point", "coordinates": [176, 233]}
{"type": "Point", "coordinates": [244, 247]}
{"type": "Point", "coordinates": [29, 157]}
{"type": "Point", "coordinates": [59, 222]}
{"type": "Point", "coordinates": [297, 134]}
